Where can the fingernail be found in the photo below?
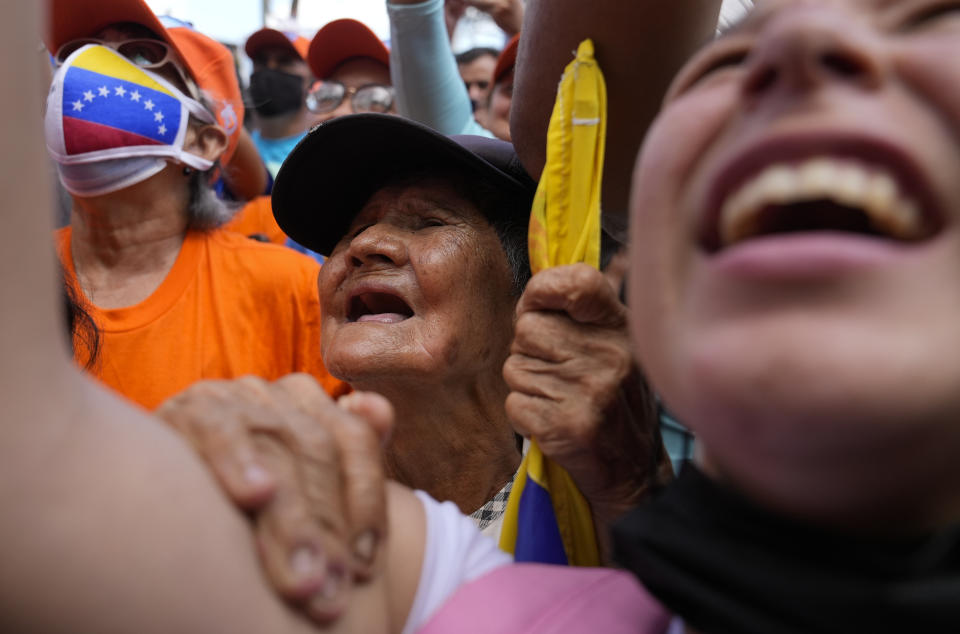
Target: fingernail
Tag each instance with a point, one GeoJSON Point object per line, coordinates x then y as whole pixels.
{"type": "Point", "coordinates": [304, 562]}
{"type": "Point", "coordinates": [363, 546]}
{"type": "Point", "coordinates": [255, 474]}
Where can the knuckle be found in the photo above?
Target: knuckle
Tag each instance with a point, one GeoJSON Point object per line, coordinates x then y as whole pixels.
{"type": "Point", "coordinates": [512, 370]}
{"type": "Point", "coordinates": [359, 437]}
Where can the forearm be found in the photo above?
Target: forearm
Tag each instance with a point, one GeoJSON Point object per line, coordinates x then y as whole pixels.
{"type": "Point", "coordinates": [122, 529]}
{"type": "Point", "coordinates": [639, 46]}
{"type": "Point", "coordinates": [423, 69]}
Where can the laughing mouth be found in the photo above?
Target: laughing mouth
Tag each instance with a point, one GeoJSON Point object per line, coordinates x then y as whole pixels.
{"type": "Point", "coordinates": [379, 307]}
{"type": "Point", "coordinates": [821, 194]}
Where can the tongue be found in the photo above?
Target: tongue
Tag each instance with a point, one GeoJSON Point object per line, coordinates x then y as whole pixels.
{"type": "Point", "coordinates": [382, 318]}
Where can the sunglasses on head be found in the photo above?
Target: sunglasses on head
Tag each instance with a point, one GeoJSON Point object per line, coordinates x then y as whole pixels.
{"type": "Point", "coordinates": [326, 96]}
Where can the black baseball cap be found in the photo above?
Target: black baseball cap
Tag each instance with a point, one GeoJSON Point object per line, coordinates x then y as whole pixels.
{"type": "Point", "coordinates": [341, 163]}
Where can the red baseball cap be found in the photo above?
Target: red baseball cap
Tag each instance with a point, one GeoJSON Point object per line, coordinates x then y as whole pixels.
{"type": "Point", "coordinates": [209, 63]}
{"type": "Point", "coordinates": [507, 59]}
{"type": "Point", "coordinates": [272, 38]}
{"type": "Point", "coordinates": [341, 40]}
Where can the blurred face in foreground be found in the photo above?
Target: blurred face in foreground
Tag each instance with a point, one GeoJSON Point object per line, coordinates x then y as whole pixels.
{"type": "Point", "coordinates": [795, 278]}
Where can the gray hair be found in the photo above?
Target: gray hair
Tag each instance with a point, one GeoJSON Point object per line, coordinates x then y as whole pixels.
{"type": "Point", "coordinates": [205, 211]}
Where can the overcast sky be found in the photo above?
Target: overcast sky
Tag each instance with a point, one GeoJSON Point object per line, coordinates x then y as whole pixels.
{"type": "Point", "coordinates": [233, 20]}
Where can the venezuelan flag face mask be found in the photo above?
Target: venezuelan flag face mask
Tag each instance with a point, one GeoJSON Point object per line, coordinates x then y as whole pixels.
{"type": "Point", "coordinates": [110, 124]}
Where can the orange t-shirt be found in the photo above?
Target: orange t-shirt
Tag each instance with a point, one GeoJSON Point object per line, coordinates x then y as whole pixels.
{"type": "Point", "coordinates": [256, 217]}
{"type": "Point", "coordinates": [230, 306]}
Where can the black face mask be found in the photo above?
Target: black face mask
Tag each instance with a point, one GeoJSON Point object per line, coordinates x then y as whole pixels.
{"type": "Point", "coordinates": [275, 93]}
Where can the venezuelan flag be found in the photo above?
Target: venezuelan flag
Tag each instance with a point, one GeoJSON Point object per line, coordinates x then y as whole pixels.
{"type": "Point", "coordinates": [108, 102]}
{"type": "Point", "coordinates": [547, 518]}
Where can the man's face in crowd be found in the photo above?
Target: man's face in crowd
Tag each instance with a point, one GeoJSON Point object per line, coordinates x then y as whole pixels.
{"type": "Point", "coordinates": [477, 76]}
{"type": "Point", "coordinates": [283, 60]}
{"type": "Point", "coordinates": [353, 74]}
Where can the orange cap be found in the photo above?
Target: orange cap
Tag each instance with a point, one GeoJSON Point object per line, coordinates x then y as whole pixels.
{"type": "Point", "coordinates": [507, 59]}
{"type": "Point", "coordinates": [341, 40]}
{"type": "Point", "coordinates": [209, 63]}
{"type": "Point", "coordinates": [264, 38]}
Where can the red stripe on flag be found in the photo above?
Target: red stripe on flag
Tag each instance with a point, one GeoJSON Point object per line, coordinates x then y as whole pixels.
{"type": "Point", "coordinates": [85, 136]}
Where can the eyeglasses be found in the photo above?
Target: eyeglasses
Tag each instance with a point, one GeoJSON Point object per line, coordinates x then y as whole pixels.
{"type": "Point", "coordinates": [326, 96]}
{"type": "Point", "coordinates": [145, 53]}
{"type": "Point", "coordinates": [142, 52]}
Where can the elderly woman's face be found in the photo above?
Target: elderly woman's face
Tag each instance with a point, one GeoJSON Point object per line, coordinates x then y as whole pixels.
{"type": "Point", "coordinates": [796, 233]}
{"type": "Point", "coordinates": [418, 288]}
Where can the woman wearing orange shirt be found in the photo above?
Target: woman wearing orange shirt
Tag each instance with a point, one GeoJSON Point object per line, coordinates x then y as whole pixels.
{"type": "Point", "coordinates": [139, 117]}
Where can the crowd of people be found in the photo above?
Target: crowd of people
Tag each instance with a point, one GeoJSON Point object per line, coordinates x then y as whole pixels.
{"type": "Point", "coordinates": [306, 352]}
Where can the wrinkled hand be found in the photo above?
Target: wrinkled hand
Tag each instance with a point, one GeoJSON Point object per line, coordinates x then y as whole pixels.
{"type": "Point", "coordinates": [576, 389]}
{"type": "Point", "coordinates": [306, 469]}
{"type": "Point", "coordinates": [508, 14]}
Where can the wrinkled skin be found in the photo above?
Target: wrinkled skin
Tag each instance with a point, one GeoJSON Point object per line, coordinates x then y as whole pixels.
{"type": "Point", "coordinates": [431, 248]}
{"type": "Point", "coordinates": [283, 451]}
{"type": "Point", "coordinates": [573, 382]}
{"type": "Point", "coordinates": [577, 390]}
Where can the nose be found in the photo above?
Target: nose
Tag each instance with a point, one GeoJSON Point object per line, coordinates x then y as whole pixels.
{"type": "Point", "coordinates": [378, 245]}
{"type": "Point", "coordinates": [810, 47]}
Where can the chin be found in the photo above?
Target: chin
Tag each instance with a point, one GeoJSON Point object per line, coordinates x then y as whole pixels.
{"type": "Point", "coordinates": [374, 363]}
{"type": "Point", "coordinates": [788, 381]}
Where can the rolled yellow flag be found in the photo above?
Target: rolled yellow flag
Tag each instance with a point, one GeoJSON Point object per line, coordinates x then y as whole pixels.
{"type": "Point", "coordinates": [547, 518]}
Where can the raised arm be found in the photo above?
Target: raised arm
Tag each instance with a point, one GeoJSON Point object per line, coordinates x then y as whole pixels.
{"type": "Point", "coordinates": [640, 45]}
{"type": "Point", "coordinates": [424, 71]}
{"type": "Point", "coordinates": [109, 522]}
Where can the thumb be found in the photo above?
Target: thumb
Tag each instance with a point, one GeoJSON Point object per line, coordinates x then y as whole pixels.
{"type": "Point", "coordinates": [372, 408]}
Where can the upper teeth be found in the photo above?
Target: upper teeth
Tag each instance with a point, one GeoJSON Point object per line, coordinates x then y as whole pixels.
{"type": "Point", "coordinates": [868, 188]}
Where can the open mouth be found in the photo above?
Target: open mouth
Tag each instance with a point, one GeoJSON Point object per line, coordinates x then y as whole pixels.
{"type": "Point", "coordinates": [380, 307]}
{"type": "Point", "coordinates": [821, 194]}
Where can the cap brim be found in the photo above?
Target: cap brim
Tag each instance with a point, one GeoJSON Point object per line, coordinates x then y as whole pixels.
{"type": "Point", "coordinates": [75, 19]}
{"type": "Point", "coordinates": [341, 40]}
{"type": "Point", "coordinates": [335, 169]}
{"type": "Point", "coordinates": [271, 38]}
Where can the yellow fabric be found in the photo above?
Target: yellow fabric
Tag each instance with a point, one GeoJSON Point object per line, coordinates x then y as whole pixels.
{"type": "Point", "coordinates": [565, 229]}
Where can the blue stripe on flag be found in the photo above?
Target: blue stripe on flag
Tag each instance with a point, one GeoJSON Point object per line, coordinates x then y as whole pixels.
{"type": "Point", "coordinates": [120, 104]}
{"type": "Point", "coordinates": [538, 538]}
